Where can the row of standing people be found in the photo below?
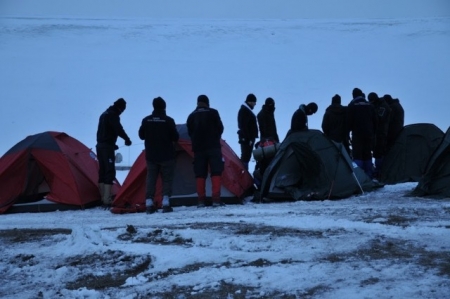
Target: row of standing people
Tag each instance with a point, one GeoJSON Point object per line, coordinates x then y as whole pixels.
{"type": "Point", "coordinates": [373, 124]}
{"type": "Point", "coordinates": [160, 135]}
{"type": "Point", "coordinates": [367, 128]}
{"type": "Point", "coordinates": [205, 129]}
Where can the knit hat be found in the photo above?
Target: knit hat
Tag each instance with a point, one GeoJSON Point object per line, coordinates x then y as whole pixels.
{"type": "Point", "coordinates": [336, 99]}
{"type": "Point", "coordinates": [203, 99]}
{"type": "Point", "coordinates": [250, 98]}
{"type": "Point", "coordinates": [372, 97]}
{"type": "Point", "coordinates": [269, 102]}
{"type": "Point", "coordinates": [159, 103]}
{"type": "Point", "coordinates": [120, 104]}
{"type": "Point", "coordinates": [357, 92]}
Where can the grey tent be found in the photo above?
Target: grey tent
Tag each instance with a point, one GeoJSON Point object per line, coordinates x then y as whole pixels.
{"type": "Point", "coordinates": [309, 165]}
{"type": "Point", "coordinates": [436, 180]}
{"type": "Point", "coordinates": [407, 159]}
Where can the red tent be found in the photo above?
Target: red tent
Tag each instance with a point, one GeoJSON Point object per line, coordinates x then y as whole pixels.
{"type": "Point", "coordinates": [236, 181]}
{"type": "Point", "coordinates": [51, 165]}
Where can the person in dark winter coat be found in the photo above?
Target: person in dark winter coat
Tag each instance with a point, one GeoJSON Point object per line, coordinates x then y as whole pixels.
{"type": "Point", "coordinates": [160, 135]}
{"type": "Point", "coordinates": [362, 123]}
{"type": "Point", "coordinates": [397, 119]}
{"type": "Point", "coordinates": [299, 121]}
{"type": "Point", "coordinates": [383, 112]}
{"type": "Point", "coordinates": [268, 136]}
{"type": "Point", "coordinates": [247, 129]}
{"type": "Point", "coordinates": [266, 122]}
{"type": "Point", "coordinates": [205, 129]}
{"type": "Point", "coordinates": [109, 129]}
{"type": "Point", "coordinates": [334, 122]}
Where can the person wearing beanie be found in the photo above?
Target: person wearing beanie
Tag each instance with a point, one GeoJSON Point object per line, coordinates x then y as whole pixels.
{"type": "Point", "coordinates": [299, 120]}
{"type": "Point", "coordinates": [205, 128]}
{"type": "Point", "coordinates": [247, 128]}
{"type": "Point", "coordinates": [108, 130]}
{"type": "Point", "coordinates": [334, 122]}
{"type": "Point", "coordinates": [382, 112]}
{"type": "Point", "coordinates": [160, 135]}
{"type": "Point", "coordinates": [362, 123]}
{"type": "Point", "coordinates": [396, 120]}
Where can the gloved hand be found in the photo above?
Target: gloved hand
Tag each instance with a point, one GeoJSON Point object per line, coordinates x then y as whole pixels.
{"type": "Point", "coordinates": [128, 142]}
{"type": "Point", "coordinates": [116, 147]}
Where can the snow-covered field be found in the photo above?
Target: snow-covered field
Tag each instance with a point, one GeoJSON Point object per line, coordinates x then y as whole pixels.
{"type": "Point", "coordinates": [59, 73]}
{"type": "Point", "coordinates": [378, 245]}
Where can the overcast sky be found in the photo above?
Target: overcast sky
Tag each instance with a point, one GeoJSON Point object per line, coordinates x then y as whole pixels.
{"type": "Point", "coordinates": [227, 9]}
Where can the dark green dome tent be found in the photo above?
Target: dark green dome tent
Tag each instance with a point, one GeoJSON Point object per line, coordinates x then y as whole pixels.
{"type": "Point", "coordinates": [436, 180]}
{"type": "Point", "coordinates": [310, 166]}
{"type": "Point", "coordinates": [407, 159]}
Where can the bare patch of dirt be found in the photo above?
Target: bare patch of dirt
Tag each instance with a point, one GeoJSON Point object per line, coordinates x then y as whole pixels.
{"type": "Point", "coordinates": [398, 251]}
{"type": "Point", "coordinates": [119, 266]}
{"type": "Point", "coordinates": [243, 228]}
{"type": "Point", "coordinates": [30, 235]}
{"type": "Point", "coordinates": [157, 236]}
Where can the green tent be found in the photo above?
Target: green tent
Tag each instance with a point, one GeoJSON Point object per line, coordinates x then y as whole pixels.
{"type": "Point", "coordinates": [310, 166]}
{"type": "Point", "coordinates": [407, 159]}
{"type": "Point", "coordinates": [436, 180]}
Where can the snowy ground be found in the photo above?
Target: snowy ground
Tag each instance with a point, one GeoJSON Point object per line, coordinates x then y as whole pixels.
{"type": "Point", "coordinates": [61, 70]}
{"type": "Point", "coordinates": [379, 245]}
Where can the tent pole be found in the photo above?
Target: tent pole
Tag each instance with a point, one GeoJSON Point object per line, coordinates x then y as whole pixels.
{"type": "Point", "coordinates": [359, 185]}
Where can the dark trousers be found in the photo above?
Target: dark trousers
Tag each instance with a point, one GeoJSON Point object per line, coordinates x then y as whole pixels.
{"type": "Point", "coordinates": [246, 153]}
{"type": "Point", "coordinates": [167, 171]}
{"type": "Point", "coordinates": [106, 162]}
{"type": "Point", "coordinates": [362, 148]}
{"type": "Point", "coordinates": [211, 159]}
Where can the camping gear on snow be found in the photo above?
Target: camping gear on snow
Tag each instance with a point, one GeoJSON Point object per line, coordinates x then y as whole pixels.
{"type": "Point", "coordinates": [308, 165]}
{"type": "Point", "coordinates": [407, 159]}
{"type": "Point", "coordinates": [236, 181]}
{"type": "Point", "coordinates": [436, 180]}
{"type": "Point", "coordinates": [53, 165]}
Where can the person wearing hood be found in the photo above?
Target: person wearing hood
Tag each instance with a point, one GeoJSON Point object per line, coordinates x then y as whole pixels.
{"type": "Point", "coordinates": [383, 113]}
{"type": "Point", "coordinates": [362, 124]}
{"type": "Point", "coordinates": [266, 122]}
{"type": "Point", "coordinates": [205, 129]}
{"type": "Point", "coordinates": [299, 120]}
{"type": "Point", "coordinates": [334, 122]}
{"type": "Point", "coordinates": [108, 130]}
{"type": "Point", "coordinates": [160, 135]}
{"type": "Point", "coordinates": [396, 121]}
{"type": "Point", "coordinates": [247, 129]}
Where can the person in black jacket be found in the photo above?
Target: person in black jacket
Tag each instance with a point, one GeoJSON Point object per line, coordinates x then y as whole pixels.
{"type": "Point", "coordinates": [160, 134]}
{"type": "Point", "coordinates": [334, 122]}
{"type": "Point", "coordinates": [299, 120]}
{"type": "Point", "coordinates": [383, 113]}
{"type": "Point", "coordinates": [266, 122]}
{"type": "Point", "coordinates": [396, 121]}
{"type": "Point", "coordinates": [362, 123]}
{"type": "Point", "coordinates": [109, 128]}
{"type": "Point", "coordinates": [268, 136]}
{"type": "Point", "coordinates": [205, 129]}
{"type": "Point", "coordinates": [247, 129]}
